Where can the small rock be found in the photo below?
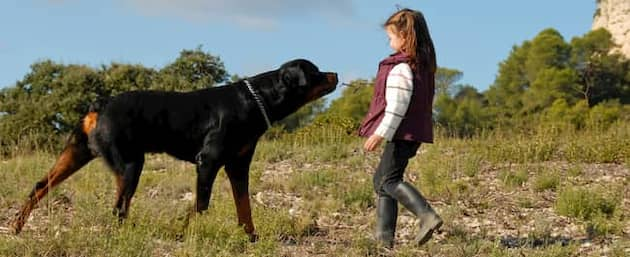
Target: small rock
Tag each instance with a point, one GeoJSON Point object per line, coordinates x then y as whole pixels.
{"type": "Point", "coordinates": [187, 196]}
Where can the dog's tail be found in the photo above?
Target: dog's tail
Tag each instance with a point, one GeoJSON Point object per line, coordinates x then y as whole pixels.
{"type": "Point", "coordinates": [75, 155]}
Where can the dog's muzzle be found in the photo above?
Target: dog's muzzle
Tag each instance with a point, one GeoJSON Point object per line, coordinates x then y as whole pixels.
{"type": "Point", "coordinates": [332, 80]}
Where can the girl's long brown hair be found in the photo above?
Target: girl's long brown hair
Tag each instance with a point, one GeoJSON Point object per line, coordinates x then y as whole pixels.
{"type": "Point", "coordinates": [413, 29]}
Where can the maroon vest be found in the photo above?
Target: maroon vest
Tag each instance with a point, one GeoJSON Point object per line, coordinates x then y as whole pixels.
{"type": "Point", "coordinates": [418, 122]}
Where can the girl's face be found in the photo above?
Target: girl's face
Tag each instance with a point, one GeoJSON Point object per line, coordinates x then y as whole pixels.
{"type": "Point", "coordinates": [395, 40]}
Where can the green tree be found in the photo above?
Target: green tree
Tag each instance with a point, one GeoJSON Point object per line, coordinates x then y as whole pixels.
{"type": "Point", "coordinates": [444, 109]}
{"type": "Point", "coordinates": [462, 115]}
{"type": "Point", "coordinates": [604, 75]}
{"type": "Point", "coordinates": [193, 69]}
{"type": "Point", "coordinates": [470, 92]}
{"type": "Point", "coordinates": [47, 102]}
{"type": "Point", "coordinates": [540, 71]}
{"type": "Point", "coordinates": [551, 84]}
{"type": "Point", "coordinates": [446, 79]}
{"type": "Point", "coordinates": [303, 116]}
{"type": "Point", "coordinates": [504, 95]}
{"type": "Point", "coordinates": [51, 99]}
{"type": "Point", "coordinates": [118, 78]}
{"type": "Point", "coordinates": [604, 113]}
{"type": "Point", "coordinates": [547, 50]}
{"type": "Point", "coordinates": [354, 100]}
{"type": "Point", "coordinates": [560, 112]}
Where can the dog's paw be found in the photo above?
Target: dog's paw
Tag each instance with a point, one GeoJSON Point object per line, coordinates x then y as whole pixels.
{"type": "Point", "coordinates": [253, 237]}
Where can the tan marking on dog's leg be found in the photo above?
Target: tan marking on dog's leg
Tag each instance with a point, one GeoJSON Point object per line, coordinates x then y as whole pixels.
{"type": "Point", "coordinates": [71, 160]}
{"type": "Point", "coordinates": [244, 212]}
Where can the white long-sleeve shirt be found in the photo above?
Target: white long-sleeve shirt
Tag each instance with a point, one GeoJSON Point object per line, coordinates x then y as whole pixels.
{"type": "Point", "coordinates": [398, 91]}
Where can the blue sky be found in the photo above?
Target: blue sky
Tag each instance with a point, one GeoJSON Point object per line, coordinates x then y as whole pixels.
{"type": "Point", "coordinates": [255, 36]}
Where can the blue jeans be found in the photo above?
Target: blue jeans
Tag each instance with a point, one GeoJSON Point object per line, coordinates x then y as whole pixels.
{"type": "Point", "coordinates": [392, 165]}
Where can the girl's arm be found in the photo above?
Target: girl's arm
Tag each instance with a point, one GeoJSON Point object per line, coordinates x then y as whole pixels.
{"type": "Point", "coordinates": [398, 91]}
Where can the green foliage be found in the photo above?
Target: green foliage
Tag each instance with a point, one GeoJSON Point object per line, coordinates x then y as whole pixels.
{"type": "Point", "coordinates": [46, 103]}
{"type": "Point", "coordinates": [459, 109]}
{"type": "Point", "coordinates": [193, 69]}
{"type": "Point", "coordinates": [504, 96]}
{"type": "Point", "coordinates": [462, 115]}
{"type": "Point", "coordinates": [604, 75]}
{"type": "Point", "coordinates": [118, 78]}
{"type": "Point", "coordinates": [540, 74]}
{"type": "Point", "coordinates": [325, 129]}
{"type": "Point", "coordinates": [561, 113]}
{"type": "Point", "coordinates": [50, 100]}
{"type": "Point", "coordinates": [303, 116]}
{"type": "Point", "coordinates": [585, 204]}
{"type": "Point", "coordinates": [446, 79]}
{"type": "Point", "coordinates": [547, 50]}
{"type": "Point", "coordinates": [551, 84]}
{"type": "Point", "coordinates": [358, 195]}
{"type": "Point", "coordinates": [604, 114]}
{"type": "Point", "coordinates": [354, 101]}
{"type": "Point", "coordinates": [312, 180]}
{"type": "Point", "coordinates": [599, 207]}
{"type": "Point", "coordinates": [514, 179]}
{"type": "Point", "coordinates": [547, 180]}
{"type": "Point", "coordinates": [472, 165]}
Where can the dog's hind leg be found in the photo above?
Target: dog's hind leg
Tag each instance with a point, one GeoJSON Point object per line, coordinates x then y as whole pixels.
{"type": "Point", "coordinates": [206, 174]}
{"type": "Point", "coordinates": [74, 156]}
{"type": "Point", "coordinates": [208, 166]}
{"type": "Point", "coordinates": [207, 170]}
{"type": "Point", "coordinates": [238, 172]}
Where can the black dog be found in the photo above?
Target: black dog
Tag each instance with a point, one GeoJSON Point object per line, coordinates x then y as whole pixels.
{"type": "Point", "coordinates": [212, 127]}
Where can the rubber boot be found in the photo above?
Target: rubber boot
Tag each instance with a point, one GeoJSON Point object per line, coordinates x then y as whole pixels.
{"type": "Point", "coordinates": [386, 215]}
{"type": "Point", "coordinates": [409, 197]}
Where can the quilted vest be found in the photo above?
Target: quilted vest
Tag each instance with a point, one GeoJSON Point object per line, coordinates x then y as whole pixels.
{"type": "Point", "coordinates": [417, 125]}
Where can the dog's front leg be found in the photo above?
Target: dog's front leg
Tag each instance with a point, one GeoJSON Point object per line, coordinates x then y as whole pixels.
{"type": "Point", "coordinates": [238, 173]}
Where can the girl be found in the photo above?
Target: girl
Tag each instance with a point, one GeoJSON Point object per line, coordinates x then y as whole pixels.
{"type": "Point", "coordinates": [400, 114]}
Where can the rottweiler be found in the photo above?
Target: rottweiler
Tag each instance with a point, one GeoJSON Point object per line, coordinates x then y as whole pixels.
{"type": "Point", "coordinates": [212, 128]}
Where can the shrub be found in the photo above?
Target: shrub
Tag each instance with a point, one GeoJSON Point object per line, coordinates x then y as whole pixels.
{"type": "Point", "coordinates": [514, 178]}
{"type": "Point", "coordinates": [585, 203]}
{"type": "Point", "coordinates": [546, 180]}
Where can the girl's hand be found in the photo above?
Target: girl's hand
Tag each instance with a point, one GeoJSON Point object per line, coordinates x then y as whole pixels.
{"type": "Point", "coordinates": [372, 142]}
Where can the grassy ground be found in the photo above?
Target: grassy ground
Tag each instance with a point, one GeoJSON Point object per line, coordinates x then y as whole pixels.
{"type": "Point", "coordinates": [540, 192]}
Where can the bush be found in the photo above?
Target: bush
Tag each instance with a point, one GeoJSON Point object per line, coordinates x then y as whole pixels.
{"type": "Point", "coordinates": [514, 178]}
{"type": "Point", "coordinates": [604, 114]}
{"type": "Point", "coordinates": [585, 203]}
{"type": "Point", "coordinates": [546, 180]}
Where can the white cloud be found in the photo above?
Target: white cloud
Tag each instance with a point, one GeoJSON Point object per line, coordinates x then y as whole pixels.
{"type": "Point", "coordinates": [248, 13]}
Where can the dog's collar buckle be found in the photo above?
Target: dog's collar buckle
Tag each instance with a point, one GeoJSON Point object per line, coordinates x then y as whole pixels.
{"type": "Point", "coordinates": [259, 102]}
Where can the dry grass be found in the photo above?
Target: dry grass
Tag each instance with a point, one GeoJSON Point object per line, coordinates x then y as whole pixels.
{"type": "Point", "coordinates": [502, 194]}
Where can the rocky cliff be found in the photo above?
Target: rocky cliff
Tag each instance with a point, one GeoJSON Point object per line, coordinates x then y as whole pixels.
{"type": "Point", "coordinates": [614, 15]}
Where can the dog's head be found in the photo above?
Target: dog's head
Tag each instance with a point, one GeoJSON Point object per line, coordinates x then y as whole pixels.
{"type": "Point", "coordinates": [293, 85]}
{"type": "Point", "coordinates": [305, 81]}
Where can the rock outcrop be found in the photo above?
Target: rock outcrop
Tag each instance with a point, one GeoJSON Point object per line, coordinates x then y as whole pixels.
{"type": "Point", "coordinates": [614, 15]}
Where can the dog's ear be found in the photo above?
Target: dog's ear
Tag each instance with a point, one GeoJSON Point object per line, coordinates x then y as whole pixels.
{"type": "Point", "coordinates": [293, 76]}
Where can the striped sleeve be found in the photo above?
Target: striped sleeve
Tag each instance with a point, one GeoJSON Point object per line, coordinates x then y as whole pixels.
{"type": "Point", "coordinates": [398, 91]}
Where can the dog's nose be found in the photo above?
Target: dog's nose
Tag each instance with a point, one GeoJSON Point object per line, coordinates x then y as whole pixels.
{"type": "Point", "coordinates": [332, 78]}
